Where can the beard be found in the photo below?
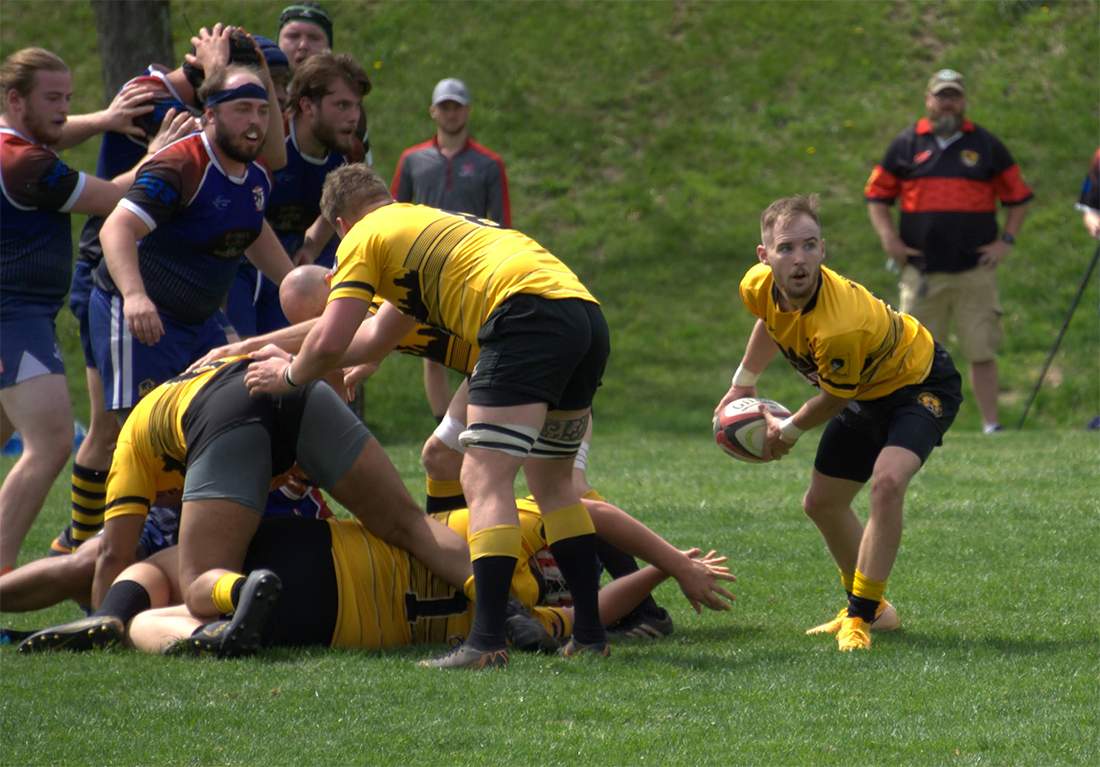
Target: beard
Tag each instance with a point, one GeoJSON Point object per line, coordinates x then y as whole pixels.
{"type": "Point", "coordinates": [41, 130]}
{"type": "Point", "coordinates": [333, 140]}
{"type": "Point", "coordinates": [945, 124]}
{"type": "Point", "coordinates": [239, 152]}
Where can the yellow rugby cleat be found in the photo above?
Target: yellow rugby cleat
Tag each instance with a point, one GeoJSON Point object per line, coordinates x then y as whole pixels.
{"type": "Point", "coordinates": [854, 634]}
{"type": "Point", "coordinates": [886, 619]}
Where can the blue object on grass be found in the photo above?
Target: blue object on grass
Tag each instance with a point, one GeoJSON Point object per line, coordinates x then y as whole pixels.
{"type": "Point", "coordinates": [14, 445]}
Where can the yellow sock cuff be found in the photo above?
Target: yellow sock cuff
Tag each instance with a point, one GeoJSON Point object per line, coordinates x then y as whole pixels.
{"type": "Point", "coordinates": [444, 488]}
{"type": "Point", "coordinates": [849, 581]}
{"type": "Point", "coordinates": [223, 592]}
{"type": "Point", "coordinates": [468, 589]}
{"type": "Point", "coordinates": [497, 541]}
{"type": "Point", "coordinates": [570, 522]}
{"type": "Point", "coordinates": [594, 495]}
{"type": "Point", "coordinates": [868, 589]}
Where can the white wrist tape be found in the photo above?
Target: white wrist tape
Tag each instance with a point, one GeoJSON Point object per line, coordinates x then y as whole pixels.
{"type": "Point", "coordinates": [744, 377]}
{"type": "Point", "coordinates": [788, 431]}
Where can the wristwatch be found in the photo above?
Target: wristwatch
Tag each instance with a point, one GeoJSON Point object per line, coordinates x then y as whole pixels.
{"type": "Point", "coordinates": [1008, 238]}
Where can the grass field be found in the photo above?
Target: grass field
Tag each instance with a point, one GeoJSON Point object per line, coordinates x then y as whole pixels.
{"type": "Point", "coordinates": [642, 139]}
{"type": "Point", "coordinates": [995, 663]}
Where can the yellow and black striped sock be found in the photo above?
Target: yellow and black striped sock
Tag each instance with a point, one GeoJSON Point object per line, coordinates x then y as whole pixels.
{"type": "Point", "coordinates": [444, 495]}
{"type": "Point", "coordinates": [866, 594]}
{"type": "Point", "coordinates": [89, 494]}
{"type": "Point", "coordinates": [227, 591]}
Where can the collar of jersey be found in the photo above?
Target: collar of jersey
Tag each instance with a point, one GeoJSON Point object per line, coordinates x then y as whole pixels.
{"type": "Point", "coordinates": [923, 126]}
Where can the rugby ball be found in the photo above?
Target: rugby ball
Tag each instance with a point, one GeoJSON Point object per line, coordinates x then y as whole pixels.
{"type": "Point", "coordinates": [740, 427]}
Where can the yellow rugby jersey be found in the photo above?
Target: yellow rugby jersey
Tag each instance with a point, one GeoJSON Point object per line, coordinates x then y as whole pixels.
{"type": "Point", "coordinates": [447, 270]}
{"type": "Point", "coordinates": [152, 453]}
{"type": "Point", "coordinates": [388, 598]}
{"type": "Point", "coordinates": [436, 345]}
{"type": "Point", "coordinates": [845, 340]}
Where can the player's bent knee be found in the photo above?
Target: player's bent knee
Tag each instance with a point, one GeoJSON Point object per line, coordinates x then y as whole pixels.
{"type": "Point", "coordinates": [512, 439]}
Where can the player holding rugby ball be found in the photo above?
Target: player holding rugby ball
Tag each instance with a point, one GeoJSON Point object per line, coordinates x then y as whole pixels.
{"type": "Point", "coordinates": [888, 393]}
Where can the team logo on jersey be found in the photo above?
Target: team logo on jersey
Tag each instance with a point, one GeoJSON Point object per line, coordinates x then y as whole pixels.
{"type": "Point", "coordinates": [931, 403]}
{"type": "Point", "coordinates": [222, 203]}
{"type": "Point", "coordinates": [969, 157]}
{"type": "Point", "coordinates": [258, 196]}
{"type": "Point", "coordinates": [837, 365]}
{"type": "Point", "coordinates": [922, 156]}
{"type": "Point", "coordinates": [467, 169]}
{"type": "Point", "coordinates": [146, 386]}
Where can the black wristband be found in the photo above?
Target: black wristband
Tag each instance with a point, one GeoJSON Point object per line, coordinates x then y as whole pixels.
{"type": "Point", "coordinates": [286, 375]}
{"type": "Point", "coordinates": [1008, 238]}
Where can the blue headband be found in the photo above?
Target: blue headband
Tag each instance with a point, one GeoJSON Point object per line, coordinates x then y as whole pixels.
{"type": "Point", "coordinates": [246, 91]}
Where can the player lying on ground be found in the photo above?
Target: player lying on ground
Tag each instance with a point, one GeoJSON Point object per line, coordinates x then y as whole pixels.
{"type": "Point", "coordinates": [201, 433]}
{"type": "Point", "coordinates": [342, 586]}
{"type": "Point", "coordinates": [56, 578]}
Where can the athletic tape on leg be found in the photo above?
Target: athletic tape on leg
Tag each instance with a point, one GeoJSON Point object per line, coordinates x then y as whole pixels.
{"type": "Point", "coordinates": [449, 432]}
{"type": "Point", "coordinates": [511, 438]}
{"type": "Point", "coordinates": [555, 448]}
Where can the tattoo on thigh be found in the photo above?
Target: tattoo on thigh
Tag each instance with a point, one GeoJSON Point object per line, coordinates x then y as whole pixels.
{"type": "Point", "coordinates": [571, 430]}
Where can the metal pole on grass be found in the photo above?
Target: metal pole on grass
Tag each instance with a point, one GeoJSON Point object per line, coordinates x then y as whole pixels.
{"type": "Point", "coordinates": [1062, 332]}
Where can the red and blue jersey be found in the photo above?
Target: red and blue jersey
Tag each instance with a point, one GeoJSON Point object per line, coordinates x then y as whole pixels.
{"type": "Point", "coordinates": [119, 152]}
{"type": "Point", "coordinates": [36, 244]}
{"type": "Point", "coordinates": [201, 220]}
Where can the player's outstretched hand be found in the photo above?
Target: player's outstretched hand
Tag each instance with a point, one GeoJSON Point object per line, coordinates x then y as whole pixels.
{"type": "Point", "coordinates": [142, 318]}
{"type": "Point", "coordinates": [701, 580]}
{"type": "Point", "coordinates": [266, 377]}
{"type": "Point", "coordinates": [211, 48]}
{"type": "Point", "coordinates": [134, 100]}
{"type": "Point", "coordinates": [175, 126]}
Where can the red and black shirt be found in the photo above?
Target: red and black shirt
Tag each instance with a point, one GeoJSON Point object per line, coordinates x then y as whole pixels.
{"type": "Point", "coordinates": [948, 196]}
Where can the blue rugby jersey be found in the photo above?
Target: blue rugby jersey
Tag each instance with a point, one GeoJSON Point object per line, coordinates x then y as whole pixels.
{"type": "Point", "coordinates": [201, 221]}
{"type": "Point", "coordinates": [119, 152]}
{"type": "Point", "coordinates": [296, 197]}
{"type": "Point", "coordinates": [36, 244]}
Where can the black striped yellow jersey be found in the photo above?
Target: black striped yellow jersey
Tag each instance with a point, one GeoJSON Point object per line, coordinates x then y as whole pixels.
{"type": "Point", "coordinates": [846, 340]}
{"type": "Point", "coordinates": [151, 454]}
{"type": "Point", "coordinates": [447, 270]}
{"type": "Point", "coordinates": [388, 598]}
{"type": "Point", "coordinates": [436, 345]}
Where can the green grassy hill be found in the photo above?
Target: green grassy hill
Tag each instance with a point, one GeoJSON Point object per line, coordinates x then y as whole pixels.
{"type": "Point", "coordinates": [642, 140]}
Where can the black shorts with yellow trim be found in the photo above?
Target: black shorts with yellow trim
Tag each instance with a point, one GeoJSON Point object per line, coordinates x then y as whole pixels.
{"type": "Point", "coordinates": [299, 551]}
{"type": "Point", "coordinates": [914, 417]}
{"type": "Point", "coordinates": [536, 349]}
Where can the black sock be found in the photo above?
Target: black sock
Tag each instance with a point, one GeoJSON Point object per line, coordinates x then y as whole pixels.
{"type": "Point", "coordinates": [492, 580]}
{"type": "Point", "coordinates": [124, 600]}
{"type": "Point", "coordinates": [618, 563]}
{"type": "Point", "coordinates": [235, 592]}
{"type": "Point", "coordinates": [862, 607]}
{"type": "Point", "coordinates": [435, 504]}
{"type": "Point", "coordinates": [576, 558]}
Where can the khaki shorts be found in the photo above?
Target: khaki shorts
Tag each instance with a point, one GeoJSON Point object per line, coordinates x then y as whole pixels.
{"type": "Point", "coordinates": [971, 297]}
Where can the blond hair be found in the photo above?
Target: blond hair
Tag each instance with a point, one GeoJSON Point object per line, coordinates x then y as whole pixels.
{"type": "Point", "coordinates": [19, 69]}
{"type": "Point", "coordinates": [351, 188]}
{"type": "Point", "coordinates": [787, 210]}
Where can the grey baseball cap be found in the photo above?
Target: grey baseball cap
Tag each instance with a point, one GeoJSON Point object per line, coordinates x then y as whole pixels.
{"type": "Point", "coordinates": [450, 90]}
{"type": "Point", "coordinates": [946, 79]}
